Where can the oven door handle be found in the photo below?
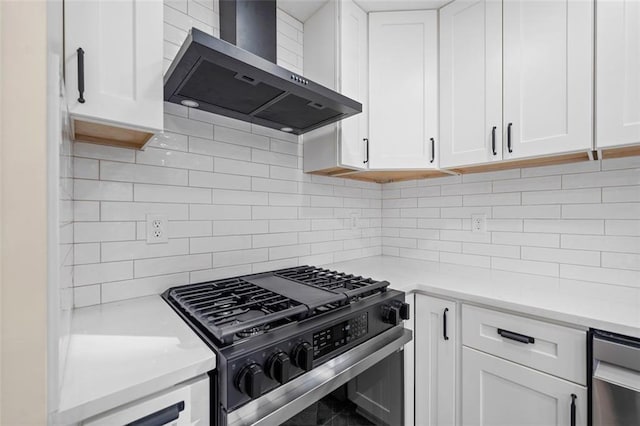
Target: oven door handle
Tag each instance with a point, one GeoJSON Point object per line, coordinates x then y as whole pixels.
{"type": "Point", "coordinates": [289, 399]}
{"type": "Point", "coordinates": [618, 376]}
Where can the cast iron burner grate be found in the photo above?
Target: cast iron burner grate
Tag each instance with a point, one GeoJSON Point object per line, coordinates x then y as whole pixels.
{"type": "Point", "coordinates": [235, 307]}
{"type": "Point", "coordinates": [238, 308]}
{"type": "Point", "coordinates": [353, 286]}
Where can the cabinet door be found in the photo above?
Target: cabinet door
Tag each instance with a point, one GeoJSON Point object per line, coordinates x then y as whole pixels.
{"type": "Point", "coordinates": [618, 73]}
{"type": "Point", "coordinates": [403, 97]}
{"type": "Point", "coordinates": [122, 44]}
{"type": "Point", "coordinates": [435, 361]}
{"type": "Point", "coordinates": [498, 392]}
{"type": "Point", "coordinates": [470, 82]}
{"type": "Point", "coordinates": [354, 82]}
{"type": "Point", "coordinates": [548, 76]}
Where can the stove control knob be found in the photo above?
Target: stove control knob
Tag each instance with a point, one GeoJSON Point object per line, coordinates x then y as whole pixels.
{"type": "Point", "coordinates": [403, 309]}
{"type": "Point", "coordinates": [303, 356]}
{"type": "Point", "coordinates": [391, 314]}
{"type": "Point", "coordinates": [249, 380]}
{"type": "Point", "coordinates": [278, 367]}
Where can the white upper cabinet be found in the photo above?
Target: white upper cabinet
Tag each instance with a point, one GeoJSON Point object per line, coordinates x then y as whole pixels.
{"type": "Point", "coordinates": [354, 81]}
{"type": "Point", "coordinates": [470, 82]}
{"type": "Point", "coordinates": [617, 73]}
{"type": "Point", "coordinates": [122, 45]}
{"type": "Point", "coordinates": [548, 77]}
{"type": "Point", "coordinates": [336, 56]}
{"type": "Point", "coordinates": [403, 89]}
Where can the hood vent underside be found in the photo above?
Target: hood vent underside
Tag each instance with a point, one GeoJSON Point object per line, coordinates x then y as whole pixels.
{"type": "Point", "coordinates": [227, 80]}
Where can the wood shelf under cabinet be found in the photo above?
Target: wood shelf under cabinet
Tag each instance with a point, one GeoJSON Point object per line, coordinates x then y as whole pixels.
{"type": "Point", "coordinates": [380, 176]}
{"type": "Point", "coordinates": [103, 134]}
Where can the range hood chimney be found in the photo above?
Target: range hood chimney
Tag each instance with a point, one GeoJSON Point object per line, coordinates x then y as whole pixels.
{"type": "Point", "coordinates": [236, 75]}
{"type": "Point", "coordinates": [250, 25]}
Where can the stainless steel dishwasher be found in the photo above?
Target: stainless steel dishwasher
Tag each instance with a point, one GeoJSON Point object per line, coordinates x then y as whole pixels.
{"type": "Point", "coordinates": [615, 384]}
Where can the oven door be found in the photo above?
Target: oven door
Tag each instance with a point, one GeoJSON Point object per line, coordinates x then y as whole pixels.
{"type": "Point", "coordinates": [363, 386]}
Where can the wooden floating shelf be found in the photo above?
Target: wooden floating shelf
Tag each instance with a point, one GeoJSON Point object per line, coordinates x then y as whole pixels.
{"type": "Point", "coordinates": [103, 134]}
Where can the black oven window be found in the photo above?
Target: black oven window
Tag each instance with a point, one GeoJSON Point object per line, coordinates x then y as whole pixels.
{"type": "Point", "coordinates": [334, 409]}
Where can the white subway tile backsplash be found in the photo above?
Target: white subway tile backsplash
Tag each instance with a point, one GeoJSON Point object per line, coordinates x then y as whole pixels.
{"type": "Point", "coordinates": [602, 243]}
{"type": "Point", "coordinates": [620, 194]}
{"type": "Point", "coordinates": [102, 191]}
{"type": "Point", "coordinates": [90, 232]}
{"type": "Point", "coordinates": [127, 172]}
{"type": "Point", "coordinates": [465, 259]}
{"type": "Point", "coordinates": [235, 167]}
{"type": "Point", "coordinates": [572, 257]}
{"type": "Point", "coordinates": [527, 184]}
{"type": "Point", "coordinates": [171, 265]}
{"type": "Point", "coordinates": [97, 273]}
{"type": "Point", "coordinates": [168, 158]}
{"type": "Point", "coordinates": [565, 196]}
{"type": "Point", "coordinates": [171, 194]}
{"type": "Point", "coordinates": [136, 211]}
{"type": "Point", "coordinates": [622, 227]}
{"type": "Point", "coordinates": [621, 261]}
{"type": "Point", "coordinates": [601, 211]}
{"type": "Point", "coordinates": [526, 239]}
{"type": "Point", "coordinates": [526, 266]}
{"type": "Point", "coordinates": [238, 202]}
{"type": "Point", "coordinates": [602, 179]}
{"type": "Point", "coordinates": [219, 149]}
{"type": "Point", "coordinates": [565, 226]}
{"type": "Point", "coordinates": [139, 287]}
{"type": "Point", "coordinates": [218, 244]}
{"type": "Point", "coordinates": [219, 180]}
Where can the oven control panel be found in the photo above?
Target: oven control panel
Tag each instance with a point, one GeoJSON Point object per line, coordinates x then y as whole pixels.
{"type": "Point", "coordinates": [336, 336]}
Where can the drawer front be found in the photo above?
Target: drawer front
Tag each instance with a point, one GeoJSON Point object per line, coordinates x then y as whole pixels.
{"type": "Point", "coordinates": [551, 348]}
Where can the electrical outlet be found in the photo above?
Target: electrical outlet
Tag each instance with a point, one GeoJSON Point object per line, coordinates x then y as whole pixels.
{"type": "Point", "coordinates": [355, 220]}
{"type": "Point", "coordinates": [157, 229]}
{"type": "Point", "coordinates": [478, 223]}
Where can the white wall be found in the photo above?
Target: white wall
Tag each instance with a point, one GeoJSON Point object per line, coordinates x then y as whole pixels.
{"type": "Point", "coordinates": [235, 196]}
{"type": "Point", "coordinates": [23, 163]}
{"type": "Point", "coordinates": [578, 221]}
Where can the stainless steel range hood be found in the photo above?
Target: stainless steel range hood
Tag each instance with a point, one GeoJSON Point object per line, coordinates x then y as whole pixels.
{"type": "Point", "coordinates": [230, 78]}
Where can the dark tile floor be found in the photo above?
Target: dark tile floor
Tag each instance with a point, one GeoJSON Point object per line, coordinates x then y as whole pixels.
{"type": "Point", "coordinates": [329, 411]}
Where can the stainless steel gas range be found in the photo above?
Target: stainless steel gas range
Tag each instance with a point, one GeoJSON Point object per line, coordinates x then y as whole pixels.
{"type": "Point", "coordinates": [300, 346]}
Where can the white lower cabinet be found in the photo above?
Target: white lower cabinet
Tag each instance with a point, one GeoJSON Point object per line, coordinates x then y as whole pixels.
{"type": "Point", "coordinates": [479, 366]}
{"type": "Point", "coordinates": [499, 392]}
{"type": "Point", "coordinates": [436, 340]}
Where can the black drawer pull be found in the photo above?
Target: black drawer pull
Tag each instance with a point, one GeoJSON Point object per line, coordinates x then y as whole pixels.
{"type": "Point", "coordinates": [573, 409]}
{"type": "Point", "coordinates": [161, 417]}
{"type": "Point", "coordinates": [493, 140]}
{"type": "Point", "coordinates": [444, 324]}
{"type": "Point", "coordinates": [366, 140]}
{"type": "Point", "coordinates": [516, 336]}
{"type": "Point", "coordinates": [509, 137]}
{"type": "Point", "coordinates": [80, 74]}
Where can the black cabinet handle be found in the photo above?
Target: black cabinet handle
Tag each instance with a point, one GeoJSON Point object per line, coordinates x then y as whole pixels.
{"type": "Point", "coordinates": [80, 74]}
{"type": "Point", "coordinates": [516, 336]}
{"type": "Point", "coordinates": [509, 137]}
{"type": "Point", "coordinates": [573, 409]}
{"type": "Point", "coordinates": [161, 417]}
{"type": "Point", "coordinates": [444, 324]}
{"type": "Point", "coordinates": [493, 140]}
{"type": "Point", "coordinates": [366, 140]}
{"type": "Point", "coordinates": [433, 150]}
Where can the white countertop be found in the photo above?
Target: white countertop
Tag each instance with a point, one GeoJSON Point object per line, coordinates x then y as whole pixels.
{"type": "Point", "coordinates": [123, 351]}
{"type": "Point", "coordinates": [119, 352]}
{"type": "Point", "coordinates": [580, 303]}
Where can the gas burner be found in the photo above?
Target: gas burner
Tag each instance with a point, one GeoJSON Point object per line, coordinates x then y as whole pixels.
{"type": "Point", "coordinates": [253, 331]}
